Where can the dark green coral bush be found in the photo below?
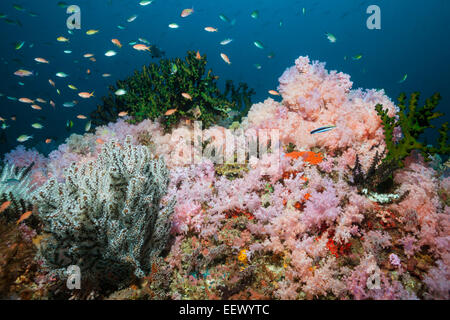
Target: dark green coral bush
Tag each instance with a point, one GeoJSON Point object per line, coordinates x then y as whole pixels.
{"type": "Point", "coordinates": [158, 88]}
{"type": "Point", "coordinates": [413, 123]}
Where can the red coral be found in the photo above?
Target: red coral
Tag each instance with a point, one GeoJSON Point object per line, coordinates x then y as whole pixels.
{"type": "Point", "coordinates": [239, 212]}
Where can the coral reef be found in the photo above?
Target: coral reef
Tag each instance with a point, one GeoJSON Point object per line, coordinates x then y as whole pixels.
{"type": "Point", "coordinates": [106, 217]}
{"type": "Point", "coordinates": [16, 258]}
{"type": "Point", "coordinates": [338, 218]}
{"type": "Point", "coordinates": [184, 87]}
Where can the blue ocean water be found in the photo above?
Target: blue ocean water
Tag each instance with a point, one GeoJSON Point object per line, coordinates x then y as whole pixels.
{"type": "Point", "coordinates": [413, 40]}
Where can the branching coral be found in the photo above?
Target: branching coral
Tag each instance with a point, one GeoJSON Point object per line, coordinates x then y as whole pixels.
{"type": "Point", "coordinates": [106, 217]}
{"type": "Point", "coordinates": [412, 124]}
{"type": "Point", "coordinates": [181, 86]}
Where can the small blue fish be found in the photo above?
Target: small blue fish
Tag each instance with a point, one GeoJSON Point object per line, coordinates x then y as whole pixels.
{"type": "Point", "coordinates": [322, 129]}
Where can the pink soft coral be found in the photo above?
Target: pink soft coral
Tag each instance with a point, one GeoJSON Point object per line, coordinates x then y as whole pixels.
{"type": "Point", "coordinates": [22, 157]}
{"type": "Point", "coordinates": [314, 97]}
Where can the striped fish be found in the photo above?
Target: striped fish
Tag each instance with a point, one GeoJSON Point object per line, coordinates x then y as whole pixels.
{"type": "Point", "coordinates": [322, 129]}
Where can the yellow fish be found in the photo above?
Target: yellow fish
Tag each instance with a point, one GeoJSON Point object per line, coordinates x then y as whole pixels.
{"type": "Point", "coordinates": [91, 32]}
{"type": "Point", "coordinates": [62, 39]}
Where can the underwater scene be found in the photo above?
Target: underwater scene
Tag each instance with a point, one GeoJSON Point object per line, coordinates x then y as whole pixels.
{"type": "Point", "coordinates": [224, 150]}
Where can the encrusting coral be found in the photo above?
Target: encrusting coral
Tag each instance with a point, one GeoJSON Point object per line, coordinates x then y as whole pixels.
{"type": "Point", "coordinates": [321, 225]}
{"type": "Point", "coordinates": [107, 217]}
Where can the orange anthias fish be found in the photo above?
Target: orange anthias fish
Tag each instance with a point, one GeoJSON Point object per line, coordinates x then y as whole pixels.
{"type": "Point", "coordinates": [26, 100]}
{"type": "Point", "coordinates": [210, 29]}
{"type": "Point", "coordinates": [187, 12]}
{"type": "Point", "coordinates": [81, 116]}
{"type": "Point", "coordinates": [41, 60]}
{"type": "Point", "coordinates": [186, 96]}
{"type": "Point", "coordinates": [4, 206]}
{"type": "Point", "coordinates": [198, 56]}
{"type": "Point", "coordinates": [274, 93]}
{"type": "Point", "coordinates": [36, 107]}
{"type": "Point", "coordinates": [123, 114]}
{"type": "Point", "coordinates": [86, 95]}
{"type": "Point", "coordinates": [225, 58]}
{"type": "Point", "coordinates": [170, 112]}
{"type": "Point", "coordinates": [141, 47]}
{"type": "Point", "coordinates": [116, 42]}
{"type": "Point", "coordinates": [308, 156]}
{"type": "Point", "coordinates": [23, 73]}
{"type": "Point", "coordinates": [47, 141]}
{"type": "Point", "coordinates": [99, 141]}
{"type": "Point", "coordinates": [51, 82]}
{"type": "Point", "coordinates": [25, 216]}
